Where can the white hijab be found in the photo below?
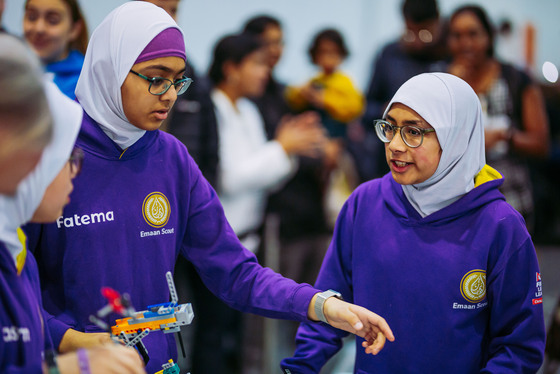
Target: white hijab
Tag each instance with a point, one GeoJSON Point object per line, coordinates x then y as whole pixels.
{"type": "Point", "coordinates": [17, 210]}
{"type": "Point", "coordinates": [452, 108]}
{"type": "Point", "coordinates": [112, 50]}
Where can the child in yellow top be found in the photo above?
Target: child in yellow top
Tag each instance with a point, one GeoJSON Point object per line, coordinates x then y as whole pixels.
{"type": "Point", "coordinates": [331, 92]}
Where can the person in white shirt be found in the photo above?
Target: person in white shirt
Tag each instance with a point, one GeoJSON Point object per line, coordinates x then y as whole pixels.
{"type": "Point", "coordinates": [250, 166]}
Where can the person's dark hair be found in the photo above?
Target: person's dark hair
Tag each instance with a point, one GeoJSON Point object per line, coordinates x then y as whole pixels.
{"type": "Point", "coordinates": [81, 41]}
{"type": "Point", "coordinates": [328, 34]}
{"type": "Point", "coordinates": [231, 48]}
{"type": "Point", "coordinates": [257, 25]}
{"type": "Point", "coordinates": [420, 10]}
{"type": "Point", "coordinates": [484, 20]}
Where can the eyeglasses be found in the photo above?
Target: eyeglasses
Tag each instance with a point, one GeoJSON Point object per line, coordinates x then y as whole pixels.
{"type": "Point", "coordinates": [159, 86]}
{"type": "Point", "coordinates": [76, 160]}
{"type": "Point", "coordinates": [413, 136]}
{"type": "Point", "coordinates": [424, 35]}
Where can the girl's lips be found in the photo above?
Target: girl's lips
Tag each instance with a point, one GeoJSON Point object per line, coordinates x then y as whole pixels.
{"type": "Point", "coordinates": [399, 166]}
{"type": "Point", "coordinates": [39, 43]}
{"type": "Point", "coordinates": [161, 114]}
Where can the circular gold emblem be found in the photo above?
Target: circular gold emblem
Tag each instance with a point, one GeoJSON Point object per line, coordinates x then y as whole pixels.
{"type": "Point", "coordinates": [473, 285]}
{"type": "Point", "coordinates": [156, 209]}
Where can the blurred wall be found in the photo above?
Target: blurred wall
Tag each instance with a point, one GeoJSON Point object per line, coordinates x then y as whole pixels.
{"type": "Point", "coordinates": [366, 25]}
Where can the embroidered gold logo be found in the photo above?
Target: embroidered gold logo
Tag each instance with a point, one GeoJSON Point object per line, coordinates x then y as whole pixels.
{"type": "Point", "coordinates": [156, 209]}
{"type": "Point", "coordinates": [473, 286]}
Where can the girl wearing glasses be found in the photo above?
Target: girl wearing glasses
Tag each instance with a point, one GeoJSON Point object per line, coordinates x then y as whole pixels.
{"type": "Point", "coordinates": [141, 202]}
{"type": "Point", "coordinates": [39, 126]}
{"type": "Point", "coordinates": [434, 246]}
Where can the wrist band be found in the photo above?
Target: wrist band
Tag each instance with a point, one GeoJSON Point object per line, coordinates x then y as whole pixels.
{"type": "Point", "coordinates": [320, 302]}
{"type": "Point", "coordinates": [83, 361]}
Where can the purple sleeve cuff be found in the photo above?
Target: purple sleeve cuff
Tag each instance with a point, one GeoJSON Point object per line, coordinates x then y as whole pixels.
{"type": "Point", "coordinates": [57, 330]}
{"type": "Point", "coordinates": [302, 298]}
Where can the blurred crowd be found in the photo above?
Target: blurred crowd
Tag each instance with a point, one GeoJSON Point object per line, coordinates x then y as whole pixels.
{"type": "Point", "coordinates": [283, 159]}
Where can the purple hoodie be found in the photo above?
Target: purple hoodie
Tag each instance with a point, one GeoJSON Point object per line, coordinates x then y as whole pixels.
{"type": "Point", "coordinates": [132, 213]}
{"type": "Point", "coordinates": [21, 320]}
{"type": "Point", "coordinates": [460, 288]}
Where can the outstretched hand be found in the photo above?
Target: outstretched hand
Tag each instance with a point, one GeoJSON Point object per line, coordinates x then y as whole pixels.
{"type": "Point", "coordinates": [104, 359]}
{"type": "Point", "coordinates": [302, 134]}
{"type": "Point", "coordinates": [72, 340]}
{"type": "Point", "coordinates": [357, 320]}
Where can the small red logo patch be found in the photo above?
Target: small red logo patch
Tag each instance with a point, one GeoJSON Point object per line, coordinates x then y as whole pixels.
{"type": "Point", "coordinates": [538, 277]}
{"type": "Point", "coordinates": [537, 301]}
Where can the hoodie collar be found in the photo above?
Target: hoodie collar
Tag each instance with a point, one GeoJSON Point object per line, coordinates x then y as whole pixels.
{"type": "Point", "coordinates": [487, 182]}
{"type": "Point", "coordinates": [93, 139]}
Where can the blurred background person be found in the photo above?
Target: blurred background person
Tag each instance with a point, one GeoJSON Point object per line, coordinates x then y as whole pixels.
{"type": "Point", "coordinates": [250, 165]}
{"type": "Point", "coordinates": [333, 95]}
{"type": "Point", "coordinates": [56, 30]}
{"type": "Point", "coordinates": [295, 214]}
{"type": "Point", "coordinates": [298, 205]}
{"type": "Point", "coordinates": [272, 103]}
{"type": "Point", "coordinates": [515, 120]}
{"type": "Point", "coordinates": [421, 48]}
{"type": "Point", "coordinates": [331, 92]}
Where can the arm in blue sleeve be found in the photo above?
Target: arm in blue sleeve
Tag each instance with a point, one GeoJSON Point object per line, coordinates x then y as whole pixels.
{"type": "Point", "coordinates": [516, 328]}
{"type": "Point", "coordinates": [318, 342]}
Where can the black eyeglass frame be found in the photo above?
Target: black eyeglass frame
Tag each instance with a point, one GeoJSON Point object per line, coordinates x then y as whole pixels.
{"type": "Point", "coordinates": [378, 123]}
{"type": "Point", "coordinates": [185, 81]}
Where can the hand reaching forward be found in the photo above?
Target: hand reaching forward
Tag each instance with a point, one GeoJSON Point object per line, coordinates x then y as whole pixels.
{"type": "Point", "coordinates": [302, 134]}
{"type": "Point", "coordinates": [104, 359]}
{"type": "Point", "coordinates": [72, 340]}
{"type": "Point", "coordinates": [357, 320]}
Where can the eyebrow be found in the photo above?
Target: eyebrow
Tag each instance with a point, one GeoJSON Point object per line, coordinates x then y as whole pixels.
{"type": "Point", "coordinates": [164, 68]}
{"type": "Point", "coordinates": [406, 122]}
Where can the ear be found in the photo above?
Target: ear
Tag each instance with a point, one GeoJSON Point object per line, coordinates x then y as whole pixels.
{"type": "Point", "coordinates": [231, 71]}
{"type": "Point", "coordinates": [77, 28]}
{"type": "Point", "coordinates": [228, 68]}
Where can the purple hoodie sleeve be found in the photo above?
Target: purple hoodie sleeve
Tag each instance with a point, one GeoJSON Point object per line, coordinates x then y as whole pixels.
{"type": "Point", "coordinates": [517, 330]}
{"type": "Point", "coordinates": [22, 329]}
{"type": "Point", "coordinates": [229, 270]}
{"type": "Point", "coordinates": [56, 328]}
